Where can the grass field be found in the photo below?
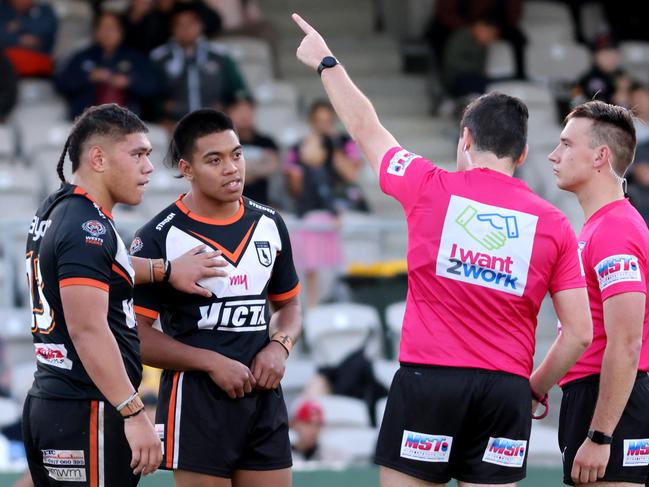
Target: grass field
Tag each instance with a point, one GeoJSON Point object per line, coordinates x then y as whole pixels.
{"type": "Point", "coordinates": [351, 477]}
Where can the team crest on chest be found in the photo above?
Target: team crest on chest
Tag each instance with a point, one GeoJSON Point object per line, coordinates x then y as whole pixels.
{"type": "Point", "coordinates": [263, 253]}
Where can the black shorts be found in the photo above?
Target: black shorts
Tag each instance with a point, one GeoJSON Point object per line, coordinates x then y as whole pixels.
{"type": "Point", "coordinates": [205, 431]}
{"type": "Point", "coordinates": [629, 460]}
{"type": "Point", "coordinates": [76, 443]}
{"type": "Point", "coordinates": [445, 422]}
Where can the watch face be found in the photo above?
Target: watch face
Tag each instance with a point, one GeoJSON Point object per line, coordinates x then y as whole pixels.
{"type": "Point", "coordinates": [329, 62]}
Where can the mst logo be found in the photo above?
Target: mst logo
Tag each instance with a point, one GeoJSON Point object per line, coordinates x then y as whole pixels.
{"type": "Point", "coordinates": [237, 316]}
{"type": "Point", "coordinates": [425, 447]}
{"type": "Point", "coordinates": [636, 453]}
{"type": "Point", "coordinates": [505, 452]}
{"type": "Point", "coordinates": [486, 245]}
{"type": "Point", "coordinates": [400, 162]}
{"type": "Point", "coordinates": [617, 268]}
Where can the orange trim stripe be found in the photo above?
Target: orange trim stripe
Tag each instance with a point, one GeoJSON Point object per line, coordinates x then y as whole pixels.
{"type": "Point", "coordinates": [210, 221]}
{"type": "Point", "coordinates": [83, 281]}
{"type": "Point", "coordinates": [287, 295]}
{"type": "Point", "coordinates": [123, 274]}
{"type": "Point", "coordinates": [83, 192]}
{"type": "Point", "coordinates": [93, 461]}
{"type": "Point", "coordinates": [171, 419]}
{"type": "Point", "coordinates": [149, 313]}
{"type": "Point", "coordinates": [232, 256]}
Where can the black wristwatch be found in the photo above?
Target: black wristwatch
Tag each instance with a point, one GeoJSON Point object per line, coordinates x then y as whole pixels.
{"type": "Point", "coordinates": [599, 437]}
{"type": "Point", "coordinates": [327, 62]}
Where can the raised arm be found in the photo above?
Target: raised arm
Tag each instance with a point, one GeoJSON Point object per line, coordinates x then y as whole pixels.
{"type": "Point", "coordinates": [352, 106]}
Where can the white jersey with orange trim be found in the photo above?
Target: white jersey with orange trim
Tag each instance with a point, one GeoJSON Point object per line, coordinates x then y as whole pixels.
{"type": "Point", "coordinates": [72, 241]}
{"type": "Point", "coordinates": [234, 321]}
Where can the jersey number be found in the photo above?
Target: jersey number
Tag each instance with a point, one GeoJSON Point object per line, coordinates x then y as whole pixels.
{"type": "Point", "coordinates": [43, 318]}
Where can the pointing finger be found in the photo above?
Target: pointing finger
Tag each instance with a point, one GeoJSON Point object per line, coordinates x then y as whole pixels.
{"type": "Point", "coordinates": [303, 24]}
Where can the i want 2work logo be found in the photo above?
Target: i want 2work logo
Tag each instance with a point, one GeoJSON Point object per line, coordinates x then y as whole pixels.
{"type": "Point", "coordinates": [486, 245]}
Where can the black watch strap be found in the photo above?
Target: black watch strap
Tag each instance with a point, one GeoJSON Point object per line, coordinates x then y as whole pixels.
{"type": "Point", "coordinates": [599, 437]}
{"type": "Point", "coordinates": [327, 62]}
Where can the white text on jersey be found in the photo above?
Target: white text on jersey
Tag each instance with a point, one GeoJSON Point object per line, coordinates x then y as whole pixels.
{"type": "Point", "coordinates": [237, 316]}
{"type": "Point", "coordinates": [38, 229]}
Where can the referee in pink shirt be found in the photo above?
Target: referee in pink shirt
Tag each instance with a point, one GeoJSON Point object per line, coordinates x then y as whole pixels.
{"type": "Point", "coordinates": [604, 423]}
{"type": "Point", "coordinates": [483, 251]}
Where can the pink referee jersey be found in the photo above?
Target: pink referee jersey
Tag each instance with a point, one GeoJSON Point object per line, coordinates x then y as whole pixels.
{"type": "Point", "coordinates": [614, 244]}
{"type": "Point", "coordinates": [483, 251]}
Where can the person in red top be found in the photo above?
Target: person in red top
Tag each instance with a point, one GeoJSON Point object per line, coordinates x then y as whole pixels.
{"type": "Point", "coordinates": [604, 426]}
{"type": "Point", "coordinates": [483, 251]}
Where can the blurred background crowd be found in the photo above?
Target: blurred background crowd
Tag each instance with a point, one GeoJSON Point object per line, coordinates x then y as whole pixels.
{"type": "Point", "coordinates": [419, 61]}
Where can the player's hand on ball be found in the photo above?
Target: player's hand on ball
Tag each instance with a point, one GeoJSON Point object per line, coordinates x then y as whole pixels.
{"type": "Point", "coordinates": [232, 376]}
{"type": "Point", "coordinates": [590, 462]}
{"type": "Point", "coordinates": [193, 266]}
{"type": "Point", "coordinates": [268, 365]}
{"type": "Point", "coordinates": [146, 449]}
{"type": "Point", "coordinates": [313, 47]}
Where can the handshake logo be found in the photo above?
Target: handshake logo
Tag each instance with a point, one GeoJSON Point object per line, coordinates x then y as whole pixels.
{"type": "Point", "coordinates": [486, 245]}
{"type": "Point", "coordinates": [490, 230]}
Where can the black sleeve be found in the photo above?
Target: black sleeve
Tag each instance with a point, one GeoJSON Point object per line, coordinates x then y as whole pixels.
{"type": "Point", "coordinates": [86, 245]}
{"type": "Point", "coordinates": [284, 283]}
{"type": "Point", "coordinates": [146, 296]}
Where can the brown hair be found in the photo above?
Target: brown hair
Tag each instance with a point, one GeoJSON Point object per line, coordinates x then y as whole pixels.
{"type": "Point", "coordinates": [611, 126]}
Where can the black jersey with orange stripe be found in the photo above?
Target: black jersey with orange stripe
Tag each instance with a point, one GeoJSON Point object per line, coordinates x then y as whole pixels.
{"type": "Point", "coordinates": [234, 321]}
{"type": "Point", "coordinates": [72, 241]}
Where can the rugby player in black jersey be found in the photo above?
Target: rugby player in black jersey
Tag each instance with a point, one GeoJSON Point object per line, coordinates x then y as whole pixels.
{"type": "Point", "coordinates": [83, 420]}
{"type": "Point", "coordinates": [221, 412]}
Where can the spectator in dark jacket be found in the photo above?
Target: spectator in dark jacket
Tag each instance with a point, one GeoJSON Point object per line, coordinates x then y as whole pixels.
{"type": "Point", "coordinates": [27, 33]}
{"type": "Point", "coordinates": [195, 73]}
{"type": "Point", "coordinates": [8, 87]}
{"type": "Point", "coordinates": [107, 71]}
{"type": "Point", "coordinates": [453, 15]}
{"type": "Point", "coordinates": [148, 23]}
{"type": "Point", "coordinates": [261, 152]}
{"type": "Point", "coordinates": [606, 80]}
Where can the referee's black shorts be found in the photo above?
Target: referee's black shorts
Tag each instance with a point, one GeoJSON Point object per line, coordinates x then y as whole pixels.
{"type": "Point", "coordinates": [76, 443]}
{"type": "Point", "coordinates": [206, 432]}
{"type": "Point", "coordinates": [629, 460]}
{"type": "Point", "coordinates": [445, 422]}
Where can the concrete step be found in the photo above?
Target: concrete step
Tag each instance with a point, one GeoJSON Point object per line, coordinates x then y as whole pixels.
{"type": "Point", "coordinates": [392, 101]}
{"type": "Point", "coordinates": [374, 57]}
{"type": "Point", "coordinates": [329, 18]}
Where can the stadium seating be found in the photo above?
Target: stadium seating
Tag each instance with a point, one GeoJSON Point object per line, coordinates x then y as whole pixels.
{"type": "Point", "coordinates": [333, 331]}
{"type": "Point", "coordinates": [8, 145]}
{"type": "Point", "coordinates": [635, 59]}
{"type": "Point", "coordinates": [500, 60]}
{"type": "Point", "coordinates": [384, 371]}
{"type": "Point", "coordinates": [352, 445]}
{"type": "Point", "coordinates": [394, 320]}
{"type": "Point", "coordinates": [557, 61]}
{"type": "Point", "coordinates": [344, 411]}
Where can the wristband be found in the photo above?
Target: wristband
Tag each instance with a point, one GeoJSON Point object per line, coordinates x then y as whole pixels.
{"type": "Point", "coordinates": [151, 277]}
{"type": "Point", "coordinates": [599, 438]}
{"type": "Point", "coordinates": [542, 400]}
{"type": "Point", "coordinates": [134, 414]}
{"type": "Point", "coordinates": [131, 406]}
{"type": "Point", "coordinates": [284, 340]}
{"type": "Point", "coordinates": [167, 271]}
{"type": "Point", "coordinates": [123, 404]}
